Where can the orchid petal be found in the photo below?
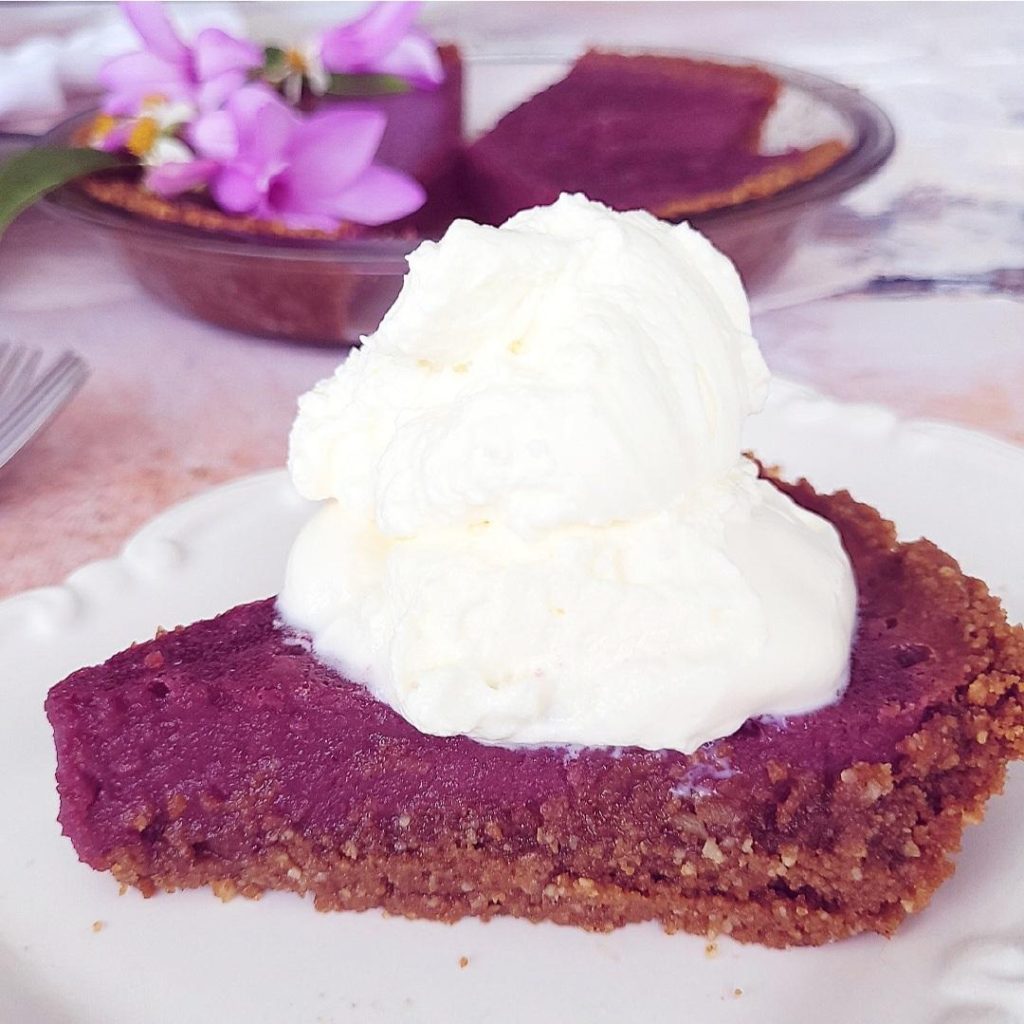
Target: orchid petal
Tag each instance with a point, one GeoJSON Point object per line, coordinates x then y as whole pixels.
{"type": "Point", "coordinates": [215, 136]}
{"type": "Point", "coordinates": [263, 125]}
{"type": "Point", "coordinates": [169, 180]}
{"type": "Point", "coordinates": [357, 45]}
{"type": "Point", "coordinates": [236, 189]}
{"type": "Point", "coordinates": [333, 149]}
{"type": "Point", "coordinates": [214, 93]}
{"type": "Point", "coordinates": [120, 104]}
{"type": "Point", "coordinates": [378, 196]}
{"type": "Point", "coordinates": [216, 52]}
{"type": "Point", "coordinates": [246, 103]}
{"type": "Point", "coordinates": [266, 136]}
{"type": "Point", "coordinates": [132, 77]}
{"type": "Point", "coordinates": [155, 30]}
{"type": "Point", "coordinates": [415, 59]}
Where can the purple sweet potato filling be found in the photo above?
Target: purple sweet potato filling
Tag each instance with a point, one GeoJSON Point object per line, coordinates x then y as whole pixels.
{"type": "Point", "coordinates": [630, 134]}
{"type": "Point", "coordinates": [238, 708]}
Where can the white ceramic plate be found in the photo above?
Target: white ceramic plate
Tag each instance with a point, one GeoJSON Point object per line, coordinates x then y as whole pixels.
{"type": "Point", "coordinates": [189, 958]}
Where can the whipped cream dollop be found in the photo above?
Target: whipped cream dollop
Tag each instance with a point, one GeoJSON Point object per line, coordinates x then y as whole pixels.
{"type": "Point", "coordinates": [538, 524]}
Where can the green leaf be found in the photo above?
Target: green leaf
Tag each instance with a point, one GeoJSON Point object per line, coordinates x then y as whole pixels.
{"type": "Point", "coordinates": [366, 85]}
{"type": "Point", "coordinates": [27, 176]}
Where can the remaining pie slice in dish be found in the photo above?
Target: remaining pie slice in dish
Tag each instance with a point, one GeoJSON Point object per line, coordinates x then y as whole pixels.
{"type": "Point", "coordinates": [667, 134]}
{"type": "Point", "coordinates": [225, 754]}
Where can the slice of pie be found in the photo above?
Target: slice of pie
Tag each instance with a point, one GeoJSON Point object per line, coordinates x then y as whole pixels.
{"type": "Point", "coordinates": [225, 754]}
{"type": "Point", "coordinates": [670, 135]}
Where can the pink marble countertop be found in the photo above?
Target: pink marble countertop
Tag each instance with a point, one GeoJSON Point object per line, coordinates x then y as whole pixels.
{"type": "Point", "coordinates": [918, 306]}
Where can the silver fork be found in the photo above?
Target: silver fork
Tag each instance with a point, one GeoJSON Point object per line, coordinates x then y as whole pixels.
{"type": "Point", "coordinates": [29, 399]}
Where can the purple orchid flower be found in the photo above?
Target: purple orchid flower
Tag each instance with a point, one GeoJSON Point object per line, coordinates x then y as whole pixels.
{"type": "Point", "coordinates": [259, 157]}
{"type": "Point", "coordinates": [173, 179]}
{"type": "Point", "coordinates": [202, 75]}
{"type": "Point", "coordinates": [383, 41]}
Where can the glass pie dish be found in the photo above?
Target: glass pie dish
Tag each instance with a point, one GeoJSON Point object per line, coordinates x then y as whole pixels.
{"type": "Point", "coordinates": [328, 291]}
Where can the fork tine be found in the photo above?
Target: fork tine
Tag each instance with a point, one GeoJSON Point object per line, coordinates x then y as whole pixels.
{"type": "Point", "coordinates": [11, 357]}
{"type": "Point", "coordinates": [21, 379]}
{"type": "Point", "coordinates": [12, 442]}
{"type": "Point", "coordinates": [8, 351]}
{"type": "Point", "coordinates": [67, 366]}
{"type": "Point", "coordinates": [15, 434]}
{"type": "Point", "coordinates": [18, 367]}
{"type": "Point", "coordinates": [51, 376]}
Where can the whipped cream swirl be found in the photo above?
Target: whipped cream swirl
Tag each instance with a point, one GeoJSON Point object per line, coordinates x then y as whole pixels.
{"type": "Point", "coordinates": [538, 524]}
